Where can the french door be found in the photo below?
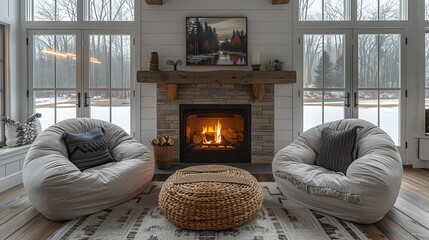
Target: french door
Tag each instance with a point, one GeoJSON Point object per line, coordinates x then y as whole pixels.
{"type": "Point", "coordinates": [75, 73]}
{"type": "Point", "coordinates": [355, 74]}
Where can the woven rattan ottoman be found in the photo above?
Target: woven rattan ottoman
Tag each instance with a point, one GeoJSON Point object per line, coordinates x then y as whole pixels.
{"type": "Point", "coordinates": [210, 197]}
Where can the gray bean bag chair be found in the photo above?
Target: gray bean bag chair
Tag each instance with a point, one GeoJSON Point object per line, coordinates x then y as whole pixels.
{"type": "Point", "coordinates": [364, 194]}
{"type": "Point", "coordinates": [60, 191]}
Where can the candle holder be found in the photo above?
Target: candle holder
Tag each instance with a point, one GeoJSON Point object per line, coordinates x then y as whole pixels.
{"type": "Point", "coordinates": [255, 67]}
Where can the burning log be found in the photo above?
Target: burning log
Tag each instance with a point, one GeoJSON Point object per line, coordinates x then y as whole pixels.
{"type": "Point", "coordinates": [230, 136]}
{"type": "Point", "coordinates": [197, 139]}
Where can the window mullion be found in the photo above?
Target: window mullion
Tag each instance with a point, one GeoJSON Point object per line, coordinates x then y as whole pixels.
{"type": "Point", "coordinates": [110, 76]}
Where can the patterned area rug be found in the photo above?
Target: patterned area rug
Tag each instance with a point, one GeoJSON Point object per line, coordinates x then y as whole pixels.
{"type": "Point", "coordinates": [140, 218]}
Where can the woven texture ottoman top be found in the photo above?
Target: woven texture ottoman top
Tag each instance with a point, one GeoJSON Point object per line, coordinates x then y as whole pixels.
{"type": "Point", "coordinates": [210, 197]}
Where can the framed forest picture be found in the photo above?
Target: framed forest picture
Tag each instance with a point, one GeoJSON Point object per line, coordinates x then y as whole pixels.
{"type": "Point", "coordinates": [216, 41]}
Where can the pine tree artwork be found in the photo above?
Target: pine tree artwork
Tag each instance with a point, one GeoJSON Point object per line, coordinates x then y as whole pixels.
{"type": "Point", "coordinates": [217, 41]}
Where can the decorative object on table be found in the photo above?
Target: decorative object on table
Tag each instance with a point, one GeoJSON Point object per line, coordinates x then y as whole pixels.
{"type": "Point", "coordinates": [279, 65]}
{"type": "Point", "coordinates": [210, 197]}
{"type": "Point", "coordinates": [216, 41]}
{"type": "Point", "coordinates": [270, 65]}
{"type": "Point", "coordinates": [363, 193]}
{"type": "Point", "coordinates": [18, 134]}
{"type": "Point", "coordinates": [175, 64]}
{"type": "Point", "coordinates": [256, 67]}
{"type": "Point", "coordinates": [280, 217]}
{"type": "Point", "coordinates": [52, 181]}
{"type": "Point", "coordinates": [163, 149]}
{"type": "Point", "coordinates": [153, 64]}
{"type": "Point", "coordinates": [256, 61]}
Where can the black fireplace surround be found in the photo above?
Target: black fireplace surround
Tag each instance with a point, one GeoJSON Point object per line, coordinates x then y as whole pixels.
{"type": "Point", "coordinates": [197, 147]}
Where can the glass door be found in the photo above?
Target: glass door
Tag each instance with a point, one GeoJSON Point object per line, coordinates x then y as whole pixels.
{"type": "Point", "coordinates": [108, 77]}
{"type": "Point", "coordinates": [68, 80]}
{"type": "Point", "coordinates": [378, 92]}
{"type": "Point", "coordinates": [326, 85]}
{"type": "Point", "coordinates": [55, 71]}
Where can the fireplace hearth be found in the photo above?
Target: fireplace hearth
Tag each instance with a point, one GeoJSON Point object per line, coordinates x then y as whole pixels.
{"type": "Point", "coordinates": [215, 133]}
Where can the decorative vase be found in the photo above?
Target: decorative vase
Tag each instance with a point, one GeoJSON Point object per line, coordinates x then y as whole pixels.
{"type": "Point", "coordinates": [153, 64]}
{"type": "Point", "coordinates": [279, 66]}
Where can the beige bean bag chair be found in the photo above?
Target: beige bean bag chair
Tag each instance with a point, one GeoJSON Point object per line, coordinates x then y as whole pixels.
{"type": "Point", "coordinates": [60, 191]}
{"type": "Point", "coordinates": [364, 194]}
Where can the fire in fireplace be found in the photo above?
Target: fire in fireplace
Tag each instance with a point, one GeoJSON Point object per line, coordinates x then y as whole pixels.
{"type": "Point", "coordinates": [214, 133]}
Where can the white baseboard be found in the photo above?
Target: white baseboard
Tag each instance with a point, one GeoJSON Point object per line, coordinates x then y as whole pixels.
{"type": "Point", "coordinates": [10, 181]}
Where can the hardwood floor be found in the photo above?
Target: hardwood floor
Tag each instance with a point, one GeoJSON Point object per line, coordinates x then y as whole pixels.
{"type": "Point", "coordinates": [409, 219]}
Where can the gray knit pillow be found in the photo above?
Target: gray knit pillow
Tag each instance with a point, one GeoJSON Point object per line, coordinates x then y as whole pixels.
{"type": "Point", "coordinates": [337, 149]}
{"type": "Point", "coordinates": [87, 150]}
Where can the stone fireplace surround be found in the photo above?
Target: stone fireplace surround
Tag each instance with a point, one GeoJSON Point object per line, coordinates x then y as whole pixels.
{"type": "Point", "coordinates": [262, 113]}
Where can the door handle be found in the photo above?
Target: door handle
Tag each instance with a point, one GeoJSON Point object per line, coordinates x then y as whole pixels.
{"type": "Point", "coordinates": [78, 100]}
{"type": "Point", "coordinates": [355, 100]}
{"type": "Point", "coordinates": [347, 98]}
{"type": "Point", "coordinates": [86, 104]}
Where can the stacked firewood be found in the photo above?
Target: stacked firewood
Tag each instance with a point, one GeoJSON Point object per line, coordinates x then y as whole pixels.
{"type": "Point", "coordinates": [163, 141]}
{"type": "Point", "coordinates": [229, 135]}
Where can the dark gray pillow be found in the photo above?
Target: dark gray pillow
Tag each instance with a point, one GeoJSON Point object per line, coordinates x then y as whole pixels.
{"type": "Point", "coordinates": [87, 150]}
{"type": "Point", "coordinates": [337, 149]}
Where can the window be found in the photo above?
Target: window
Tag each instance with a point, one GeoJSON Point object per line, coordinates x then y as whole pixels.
{"type": "Point", "coordinates": [324, 78]}
{"type": "Point", "coordinates": [67, 10]}
{"type": "Point", "coordinates": [103, 93]}
{"type": "Point", "coordinates": [2, 82]}
{"type": "Point", "coordinates": [382, 10]}
{"type": "Point", "coordinates": [324, 10]}
{"type": "Point", "coordinates": [110, 10]}
{"type": "Point", "coordinates": [427, 78]}
{"type": "Point", "coordinates": [82, 72]}
{"type": "Point", "coordinates": [353, 72]}
{"type": "Point", "coordinates": [52, 10]}
{"type": "Point", "coordinates": [426, 10]}
{"type": "Point", "coordinates": [340, 10]}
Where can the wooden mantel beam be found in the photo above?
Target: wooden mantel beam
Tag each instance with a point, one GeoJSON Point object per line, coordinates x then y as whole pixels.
{"type": "Point", "coordinates": [155, 2]}
{"type": "Point", "coordinates": [217, 77]}
{"type": "Point", "coordinates": [276, 2]}
{"type": "Point", "coordinates": [257, 79]}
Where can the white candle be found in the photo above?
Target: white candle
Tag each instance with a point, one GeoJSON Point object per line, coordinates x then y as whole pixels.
{"type": "Point", "coordinates": [255, 58]}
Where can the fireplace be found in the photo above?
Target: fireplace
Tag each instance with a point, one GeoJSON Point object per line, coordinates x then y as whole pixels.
{"type": "Point", "coordinates": [215, 133]}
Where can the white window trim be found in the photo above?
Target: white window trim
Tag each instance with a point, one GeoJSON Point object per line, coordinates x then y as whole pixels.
{"type": "Point", "coordinates": [86, 25]}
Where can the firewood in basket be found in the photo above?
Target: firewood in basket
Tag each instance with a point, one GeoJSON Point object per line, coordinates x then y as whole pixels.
{"type": "Point", "coordinates": [162, 141]}
{"type": "Point", "coordinates": [170, 141]}
{"type": "Point", "coordinates": [155, 141]}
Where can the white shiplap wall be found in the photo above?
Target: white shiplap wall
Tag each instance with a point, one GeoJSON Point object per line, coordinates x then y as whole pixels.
{"type": "Point", "coordinates": [270, 32]}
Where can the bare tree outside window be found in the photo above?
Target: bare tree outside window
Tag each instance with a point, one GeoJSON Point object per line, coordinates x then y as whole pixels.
{"type": "Point", "coordinates": [427, 71]}
{"type": "Point", "coordinates": [323, 10]}
{"type": "Point", "coordinates": [426, 9]}
{"type": "Point", "coordinates": [66, 10]}
{"type": "Point", "coordinates": [110, 10]}
{"type": "Point", "coordinates": [2, 82]}
{"type": "Point", "coordinates": [324, 78]}
{"type": "Point", "coordinates": [54, 10]}
{"type": "Point", "coordinates": [381, 10]}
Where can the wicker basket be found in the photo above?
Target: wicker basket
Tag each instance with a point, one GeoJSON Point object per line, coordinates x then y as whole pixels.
{"type": "Point", "coordinates": [163, 156]}
{"type": "Point", "coordinates": [210, 197]}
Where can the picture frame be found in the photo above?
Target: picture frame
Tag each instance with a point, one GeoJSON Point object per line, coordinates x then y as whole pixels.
{"type": "Point", "coordinates": [216, 41]}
